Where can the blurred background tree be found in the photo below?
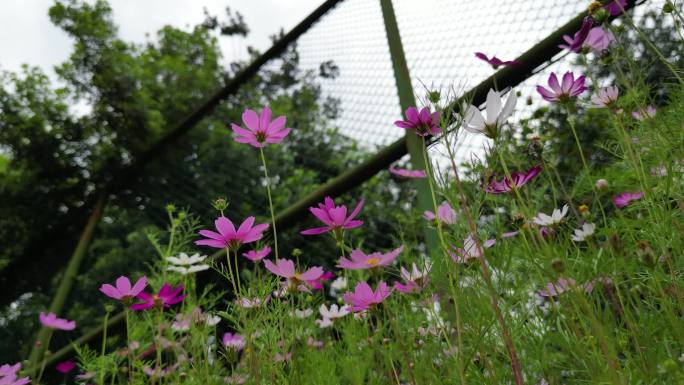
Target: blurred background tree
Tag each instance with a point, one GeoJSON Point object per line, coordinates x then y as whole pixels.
{"type": "Point", "coordinates": [55, 158]}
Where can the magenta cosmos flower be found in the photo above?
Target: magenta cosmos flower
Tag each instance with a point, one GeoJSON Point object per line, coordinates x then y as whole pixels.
{"type": "Point", "coordinates": [615, 7]}
{"type": "Point", "coordinates": [260, 129]}
{"type": "Point", "coordinates": [334, 217]}
{"type": "Point", "coordinates": [361, 261]}
{"type": "Point", "coordinates": [123, 290]}
{"type": "Point", "coordinates": [494, 61]}
{"type": "Point", "coordinates": [575, 43]}
{"type": "Point", "coordinates": [318, 282]}
{"type": "Point", "coordinates": [364, 297]}
{"type": "Point", "coordinates": [51, 321]}
{"type": "Point", "coordinates": [65, 366]}
{"type": "Point", "coordinates": [228, 237]}
{"type": "Point", "coordinates": [166, 297]}
{"type": "Point", "coordinates": [8, 375]}
{"type": "Point", "coordinates": [257, 255]}
{"type": "Point", "coordinates": [423, 123]}
{"type": "Point", "coordinates": [517, 180]}
{"type": "Point", "coordinates": [445, 214]}
{"type": "Point", "coordinates": [286, 268]}
{"type": "Point", "coordinates": [570, 88]}
{"type": "Point", "coordinates": [407, 173]}
{"type": "Point", "coordinates": [621, 200]}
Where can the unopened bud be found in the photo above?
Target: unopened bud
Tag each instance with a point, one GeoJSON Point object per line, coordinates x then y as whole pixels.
{"type": "Point", "coordinates": [668, 7]}
{"type": "Point", "coordinates": [109, 308]}
{"type": "Point", "coordinates": [601, 184]}
{"type": "Point", "coordinates": [170, 208]}
{"type": "Point", "coordinates": [434, 96]}
{"type": "Point", "coordinates": [600, 15]}
{"type": "Point", "coordinates": [296, 252]}
{"type": "Point", "coordinates": [220, 204]}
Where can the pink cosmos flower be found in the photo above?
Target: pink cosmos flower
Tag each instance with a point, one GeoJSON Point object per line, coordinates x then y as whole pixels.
{"type": "Point", "coordinates": [574, 43]}
{"type": "Point", "coordinates": [250, 303]}
{"type": "Point", "coordinates": [317, 284]}
{"type": "Point", "coordinates": [470, 250]}
{"type": "Point", "coordinates": [570, 87]}
{"type": "Point", "coordinates": [51, 321]}
{"type": "Point", "coordinates": [257, 255]}
{"type": "Point", "coordinates": [334, 217]}
{"type": "Point", "coordinates": [641, 114]}
{"type": "Point", "coordinates": [599, 40]}
{"type": "Point", "coordinates": [621, 200]}
{"type": "Point", "coordinates": [282, 358]}
{"type": "Point", "coordinates": [615, 7]}
{"type": "Point", "coordinates": [517, 180]}
{"type": "Point", "coordinates": [286, 268]}
{"type": "Point", "coordinates": [495, 62]}
{"type": "Point", "coordinates": [166, 297]}
{"type": "Point", "coordinates": [65, 367]}
{"type": "Point", "coordinates": [159, 372]}
{"type": "Point", "coordinates": [561, 286]}
{"type": "Point", "coordinates": [228, 237]}
{"type": "Point", "coordinates": [407, 173]}
{"type": "Point", "coordinates": [423, 123]}
{"type": "Point", "coordinates": [8, 375]}
{"type": "Point", "coordinates": [605, 97]}
{"type": "Point", "coordinates": [123, 290]}
{"type": "Point", "coordinates": [445, 214]}
{"type": "Point", "coordinates": [233, 341]}
{"type": "Point", "coordinates": [364, 297]}
{"type": "Point", "coordinates": [415, 280]}
{"type": "Point", "coordinates": [260, 129]}
{"type": "Point", "coordinates": [361, 261]}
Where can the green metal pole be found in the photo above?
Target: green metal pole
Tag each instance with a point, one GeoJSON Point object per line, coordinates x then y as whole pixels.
{"type": "Point", "coordinates": [67, 281]}
{"type": "Point", "coordinates": [414, 144]}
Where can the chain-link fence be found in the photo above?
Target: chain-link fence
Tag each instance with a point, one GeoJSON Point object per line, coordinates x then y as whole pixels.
{"type": "Point", "coordinates": [440, 38]}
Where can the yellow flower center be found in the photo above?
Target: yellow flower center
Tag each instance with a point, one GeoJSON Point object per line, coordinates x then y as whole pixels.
{"type": "Point", "coordinates": [372, 261]}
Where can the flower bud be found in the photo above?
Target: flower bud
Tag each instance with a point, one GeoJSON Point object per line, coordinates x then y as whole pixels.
{"type": "Point", "coordinates": [601, 184]}
{"type": "Point", "coordinates": [434, 96]}
{"type": "Point", "coordinates": [220, 204]}
{"type": "Point", "coordinates": [296, 253]}
{"type": "Point", "coordinates": [170, 208]}
{"type": "Point", "coordinates": [600, 15]}
{"type": "Point", "coordinates": [668, 7]}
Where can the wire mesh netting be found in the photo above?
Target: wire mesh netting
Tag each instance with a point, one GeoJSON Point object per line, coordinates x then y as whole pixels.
{"type": "Point", "coordinates": [352, 36]}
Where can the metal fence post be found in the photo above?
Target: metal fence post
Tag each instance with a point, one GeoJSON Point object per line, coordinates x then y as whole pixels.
{"type": "Point", "coordinates": [414, 144]}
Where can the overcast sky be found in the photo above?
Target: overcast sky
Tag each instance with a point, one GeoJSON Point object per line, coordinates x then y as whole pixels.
{"type": "Point", "coordinates": [27, 36]}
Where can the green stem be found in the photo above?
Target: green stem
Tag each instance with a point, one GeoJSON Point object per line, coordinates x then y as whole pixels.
{"type": "Point", "coordinates": [231, 278]}
{"type": "Point", "coordinates": [270, 201]}
{"type": "Point", "coordinates": [104, 344]}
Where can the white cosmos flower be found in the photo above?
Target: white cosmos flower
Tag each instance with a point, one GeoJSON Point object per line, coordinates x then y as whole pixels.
{"type": "Point", "coordinates": [555, 218]}
{"type": "Point", "coordinates": [324, 323]}
{"type": "Point", "coordinates": [334, 311]}
{"type": "Point", "coordinates": [336, 286]}
{"type": "Point", "coordinates": [302, 313]}
{"type": "Point", "coordinates": [497, 115]}
{"type": "Point", "coordinates": [587, 230]}
{"type": "Point", "coordinates": [188, 270]}
{"type": "Point", "coordinates": [184, 260]}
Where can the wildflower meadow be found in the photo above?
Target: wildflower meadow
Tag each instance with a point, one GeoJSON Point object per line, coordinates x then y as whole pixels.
{"type": "Point", "coordinates": [557, 253]}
